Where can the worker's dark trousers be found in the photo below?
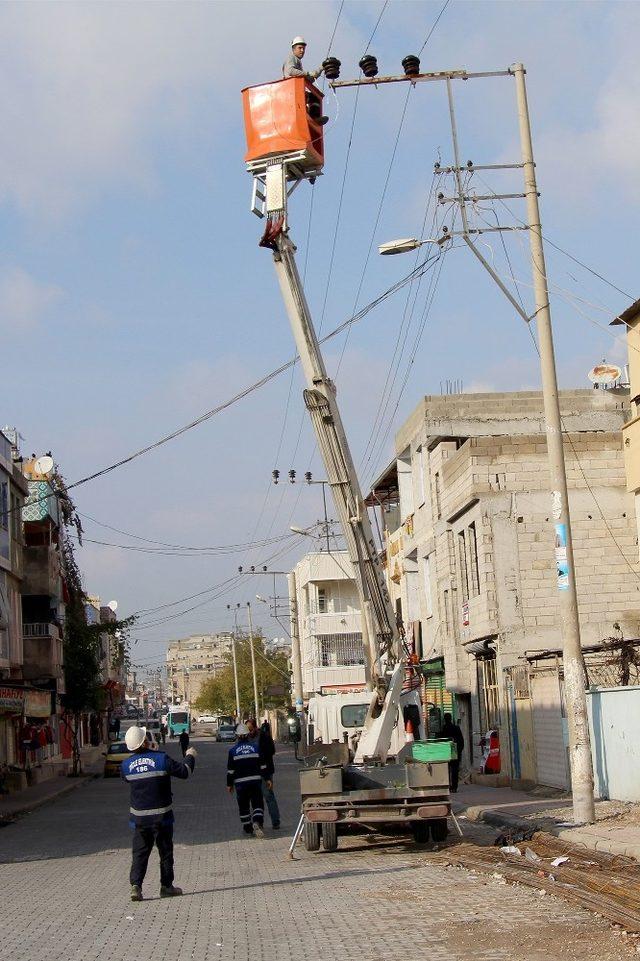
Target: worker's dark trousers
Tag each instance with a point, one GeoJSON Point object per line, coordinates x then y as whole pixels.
{"type": "Point", "coordinates": [250, 804]}
{"type": "Point", "coordinates": [454, 772]}
{"type": "Point", "coordinates": [272, 804]}
{"type": "Point", "coordinates": [141, 848]}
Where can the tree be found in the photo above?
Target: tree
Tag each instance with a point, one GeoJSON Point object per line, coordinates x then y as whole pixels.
{"type": "Point", "coordinates": [218, 695]}
{"type": "Point", "coordinates": [81, 641]}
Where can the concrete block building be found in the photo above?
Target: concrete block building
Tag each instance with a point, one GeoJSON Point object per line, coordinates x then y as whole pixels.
{"type": "Point", "coordinates": [470, 541]}
{"type": "Point", "coordinates": [193, 660]}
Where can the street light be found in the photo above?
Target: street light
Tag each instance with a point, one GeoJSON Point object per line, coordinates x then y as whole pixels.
{"type": "Point", "coordinates": [304, 531]}
{"type": "Point", "coordinates": [408, 243]}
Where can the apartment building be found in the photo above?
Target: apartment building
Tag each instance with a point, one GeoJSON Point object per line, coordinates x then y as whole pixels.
{"type": "Point", "coordinates": [13, 490]}
{"type": "Point", "coordinates": [329, 624]}
{"type": "Point", "coordinates": [193, 660]}
{"type": "Point", "coordinates": [470, 549]}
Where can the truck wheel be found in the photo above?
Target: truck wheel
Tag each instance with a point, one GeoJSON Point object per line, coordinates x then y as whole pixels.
{"type": "Point", "coordinates": [439, 829]}
{"type": "Point", "coordinates": [420, 831]}
{"type": "Point", "coordinates": [330, 836]}
{"type": "Point", "coordinates": [311, 836]}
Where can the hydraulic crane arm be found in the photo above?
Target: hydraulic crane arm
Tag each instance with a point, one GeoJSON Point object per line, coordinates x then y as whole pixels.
{"type": "Point", "coordinates": [381, 636]}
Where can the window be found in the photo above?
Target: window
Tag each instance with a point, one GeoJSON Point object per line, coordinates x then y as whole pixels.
{"type": "Point", "coordinates": [353, 715]}
{"type": "Point", "coordinates": [427, 586]}
{"type": "Point", "coordinates": [4, 505]}
{"type": "Point", "coordinates": [488, 693]}
{"type": "Point", "coordinates": [436, 485]}
{"type": "Point", "coordinates": [322, 600]}
{"type": "Point", "coordinates": [462, 564]}
{"type": "Point", "coordinates": [419, 470]}
{"type": "Point", "coordinates": [473, 560]}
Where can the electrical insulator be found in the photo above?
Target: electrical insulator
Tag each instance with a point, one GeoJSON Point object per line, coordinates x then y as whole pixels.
{"type": "Point", "coordinates": [307, 476]}
{"type": "Point", "coordinates": [411, 65]}
{"type": "Point", "coordinates": [331, 67]}
{"type": "Point", "coordinates": [369, 66]}
{"type": "Point", "coordinates": [292, 476]}
{"type": "Point", "coordinates": [252, 569]}
{"type": "Point", "coordinates": [276, 475]}
{"type": "Point", "coordinates": [239, 572]}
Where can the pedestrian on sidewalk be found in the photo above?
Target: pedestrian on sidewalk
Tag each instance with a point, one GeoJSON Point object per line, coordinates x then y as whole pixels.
{"type": "Point", "coordinates": [149, 773]}
{"type": "Point", "coordinates": [184, 742]}
{"type": "Point", "coordinates": [246, 769]}
{"type": "Point", "coordinates": [261, 736]}
{"type": "Point", "coordinates": [453, 733]}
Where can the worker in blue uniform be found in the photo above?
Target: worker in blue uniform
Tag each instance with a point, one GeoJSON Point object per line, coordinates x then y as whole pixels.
{"type": "Point", "coordinates": [246, 770]}
{"type": "Point", "coordinates": [149, 772]}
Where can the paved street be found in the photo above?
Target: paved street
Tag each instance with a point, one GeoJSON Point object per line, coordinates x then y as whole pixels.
{"type": "Point", "coordinates": [64, 882]}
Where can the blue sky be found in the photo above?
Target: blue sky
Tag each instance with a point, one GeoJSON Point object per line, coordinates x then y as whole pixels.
{"type": "Point", "coordinates": [133, 295]}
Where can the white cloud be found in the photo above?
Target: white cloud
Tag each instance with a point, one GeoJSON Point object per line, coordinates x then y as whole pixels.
{"type": "Point", "coordinates": [23, 300]}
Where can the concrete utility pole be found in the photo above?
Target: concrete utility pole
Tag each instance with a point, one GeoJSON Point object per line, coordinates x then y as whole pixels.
{"type": "Point", "coordinates": [253, 662]}
{"type": "Point", "coordinates": [233, 652]}
{"type": "Point", "coordinates": [572, 656]}
{"type": "Point", "coordinates": [296, 658]}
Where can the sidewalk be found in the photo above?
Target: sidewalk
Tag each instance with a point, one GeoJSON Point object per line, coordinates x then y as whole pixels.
{"type": "Point", "coordinates": [13, 806]}
{"type": "Point", "coordinates": [613, 833]}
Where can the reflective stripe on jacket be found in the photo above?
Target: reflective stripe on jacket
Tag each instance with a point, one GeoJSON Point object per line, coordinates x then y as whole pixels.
{"type": "Point", "coordinates": [149, 774]}
{"type": "Point", "coordinates": [246, 764]}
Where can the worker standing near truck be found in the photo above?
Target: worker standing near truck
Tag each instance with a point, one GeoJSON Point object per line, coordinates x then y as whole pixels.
{"type": "Point", "coordinates": [149, 773]}
{"type": "Point", "coordinates": [246, 770]}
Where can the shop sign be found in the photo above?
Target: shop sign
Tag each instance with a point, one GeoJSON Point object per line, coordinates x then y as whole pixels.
{"type": "Point", "coordinates": [11, 700]}
{"type": "Point", "coordinates": [37, 703]}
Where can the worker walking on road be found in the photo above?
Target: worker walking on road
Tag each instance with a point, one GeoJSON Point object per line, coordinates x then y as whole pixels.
{"type": "Point", "coordinates": [184, 742]}
{"type": "Point", "coordinates": [454, 733]}
{"type": "Point", "coordinates": [246, 770]}
{"type": "Point", "coordinates": [149, 773]}
{"type": "Point", "coordinates": [261, 736]}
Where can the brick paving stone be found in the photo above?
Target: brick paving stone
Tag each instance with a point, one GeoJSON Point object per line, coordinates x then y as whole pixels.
{"type": "Point", "coordinates": [64, 881]}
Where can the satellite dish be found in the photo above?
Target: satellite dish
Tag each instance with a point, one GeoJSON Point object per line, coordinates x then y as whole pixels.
{"type": "Point", "coordinates": [604, 374]}
{"type": "Point", "coordinates": [113, 605]}
{"type": "Point", "coordinates": [43, 465]}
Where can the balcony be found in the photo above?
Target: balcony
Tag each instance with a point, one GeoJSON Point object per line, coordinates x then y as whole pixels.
{"type": "Point", "coordinates": [41, 567]}
{"type": "Point", "coordinates": [42, 651]}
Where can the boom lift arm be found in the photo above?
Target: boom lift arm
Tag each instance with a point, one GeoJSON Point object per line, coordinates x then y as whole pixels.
{"type": "Point", "coordinates": [382, 640]}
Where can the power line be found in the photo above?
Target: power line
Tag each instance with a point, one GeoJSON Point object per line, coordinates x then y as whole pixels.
{"type": "Point", "coordinates": [436, 22]}
{"type": "Point", "coordinates": [356, 318]}
{"type": "Point", "coordinates": [177, 547]}
{"type": "Point", "coordinates": [557, 247]}
{"type": "Point", "coordinates": [384, 7]}
{"type": "Point", "coordinates": [196, 552]}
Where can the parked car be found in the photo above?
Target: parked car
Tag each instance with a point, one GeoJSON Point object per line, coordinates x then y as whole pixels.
{"type": "Point", "coordinates": [207, 719]}
{"type": "Point", "coordinates": [113, 758]}
{"type": "Point", "coordinates": [226, 732]}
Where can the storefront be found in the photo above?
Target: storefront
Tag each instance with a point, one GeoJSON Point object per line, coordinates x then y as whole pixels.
{"type": "Point", "coordinates": [11, 711]}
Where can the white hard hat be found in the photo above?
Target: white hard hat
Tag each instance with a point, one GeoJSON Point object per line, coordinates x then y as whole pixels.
{"type": "Point", "coordinates": [242, 730]}
{"type": "Point", "coordinates": [297, 40]}
{"type": "Point", "coordinates": [134, 738]}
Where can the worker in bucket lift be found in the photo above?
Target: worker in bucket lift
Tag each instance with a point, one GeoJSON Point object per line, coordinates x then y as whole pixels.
{"type": "Point", "coordinates": [292, 67]}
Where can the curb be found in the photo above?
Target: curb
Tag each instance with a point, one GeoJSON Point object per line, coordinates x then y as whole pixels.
{"type": "Point", "coordinates": [30, 806]}
{"type": "Point", "coordinates": [578, 835]}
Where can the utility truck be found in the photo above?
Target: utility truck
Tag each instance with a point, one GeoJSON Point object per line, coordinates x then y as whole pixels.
{"type": "Point", "coordinates": [376, 779]}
